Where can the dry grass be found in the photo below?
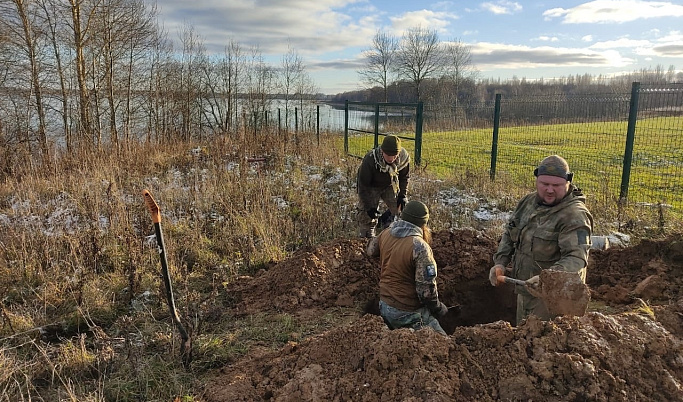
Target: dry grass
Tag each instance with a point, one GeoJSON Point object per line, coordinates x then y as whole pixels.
{"type": "Point", "coordinates": [83, 310]}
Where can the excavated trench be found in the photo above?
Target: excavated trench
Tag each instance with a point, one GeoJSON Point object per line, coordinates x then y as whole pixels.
{"type": "Point", "coordinates": [627, 347]}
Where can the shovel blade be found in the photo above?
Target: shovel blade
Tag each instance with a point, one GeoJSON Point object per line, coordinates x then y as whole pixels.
{"type": "Point", "coordinates": [564, 293]}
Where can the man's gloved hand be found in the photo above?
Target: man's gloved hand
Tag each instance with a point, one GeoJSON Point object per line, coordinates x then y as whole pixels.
{"type": "Point", "coordinates": [401, 202]}
{"type": "Point", "coordinates": [496, 271]}
{"type": "Point", "coordinates": [534, 281]}
{"type": "Point", "coordinates": [440, 310]}
{"type": "Point", "coordinates": [533, 286]}
{"type": "Point", "coordinates": [373, 213]}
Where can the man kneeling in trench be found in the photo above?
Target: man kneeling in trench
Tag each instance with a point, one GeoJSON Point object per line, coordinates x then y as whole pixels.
{"type": "Point", "coordinates": [407, 285]}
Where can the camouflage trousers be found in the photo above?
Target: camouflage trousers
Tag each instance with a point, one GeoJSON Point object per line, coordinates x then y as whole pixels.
{"type": "Point", "coordinates": [420, 318]}
{"type": "Point", "coordinates": [528, 305]}
{"type": "Point", "coordinates": [372, 196]}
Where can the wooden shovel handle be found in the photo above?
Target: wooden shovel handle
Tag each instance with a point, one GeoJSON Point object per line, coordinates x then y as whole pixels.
{"type": "Point", "coordinates": [503, 279]}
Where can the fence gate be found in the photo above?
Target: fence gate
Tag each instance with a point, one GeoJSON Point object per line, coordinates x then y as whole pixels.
{"type": "Point", "coordinates": [365, 122]}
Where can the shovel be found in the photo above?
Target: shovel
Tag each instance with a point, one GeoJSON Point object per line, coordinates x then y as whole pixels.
{"type": "Point", "coordinates": [564, 293]}
{"type": "Point", "coordinates": [186, 344]}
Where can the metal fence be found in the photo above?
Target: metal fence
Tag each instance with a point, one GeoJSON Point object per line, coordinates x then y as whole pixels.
{"type": "Point", "coordinates": [621, 146]}
{"type": "Point", "coordinates": [367, 121]}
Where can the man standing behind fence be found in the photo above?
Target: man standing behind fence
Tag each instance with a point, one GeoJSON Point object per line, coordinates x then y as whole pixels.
{"type": "Point", "coordinates": [383, 173]}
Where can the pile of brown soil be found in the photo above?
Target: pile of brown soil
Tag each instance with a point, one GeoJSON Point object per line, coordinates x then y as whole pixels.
{"type": "Point", "coordinates": [627, 347]}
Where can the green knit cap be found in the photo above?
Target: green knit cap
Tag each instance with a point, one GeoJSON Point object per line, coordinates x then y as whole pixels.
{"type": "Point", "coordinates": [416, 213]}
{"type": "Point", "coordinates": [391, 145]}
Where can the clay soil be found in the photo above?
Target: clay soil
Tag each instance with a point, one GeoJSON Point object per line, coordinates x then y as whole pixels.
{"type": "Point", "coordinates": [627, 347]}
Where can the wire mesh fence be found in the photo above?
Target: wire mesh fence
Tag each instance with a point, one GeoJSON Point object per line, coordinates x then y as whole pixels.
{"type": "Point", "coordinates": [365, 122]}
{"type": "Point", "coordinates": [621, 146]}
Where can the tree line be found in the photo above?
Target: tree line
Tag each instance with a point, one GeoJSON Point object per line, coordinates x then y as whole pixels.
{"type": "Point", "coordinates": [418, 66]}
{"type": "Point", "coordinates": [90, 73]}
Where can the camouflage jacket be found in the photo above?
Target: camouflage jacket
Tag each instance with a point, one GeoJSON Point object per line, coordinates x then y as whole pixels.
{"type": "Point", "coordinates": [375, 172]}
{"type": "Point", "coordinates": [408, 277]}
{"type": "Point", "coordinates": [547, 237]}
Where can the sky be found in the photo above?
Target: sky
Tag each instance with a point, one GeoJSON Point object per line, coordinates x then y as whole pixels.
{"type": "Point", "coordinates": [522, 39]}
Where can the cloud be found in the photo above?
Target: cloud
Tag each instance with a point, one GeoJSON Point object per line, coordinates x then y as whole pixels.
{"type": "Point", "coordinates": [673, 36]}
{"type": "Point", "coordinates": [502, 7]}
{"type": "Point", "coordinates": [339, 64]}
{"type": "Point", "coordinates": [500, 56]}
{"type": "Point", "coordinates": [442, 5]}
{"type": "Point", "coordinates": [621, 43]}
{"type": "Point", "coordinates": [587, 38]}
{"type": "Point", "coordinates": [670, 45]}
{"type": "Point", "coordinates": [672, 50]}
{"type": "Point", "coordinates": [425, 18]}
{"type": "Point", "coordinates": [547, 38]}
{"type": "Point", "coordinates": [614, 11]}
{"type": "Point", "coordinates": [666, 46]}
{"type": "Point", "coordinates": [315, 27]}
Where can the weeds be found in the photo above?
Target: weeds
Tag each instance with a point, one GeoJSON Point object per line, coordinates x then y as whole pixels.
{"type": "Point", "coordinates": [83, 316]}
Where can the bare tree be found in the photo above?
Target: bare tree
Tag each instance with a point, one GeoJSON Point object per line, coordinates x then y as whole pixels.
{"type": "Point", "coordinates": [231, 71]}
{"type": "Point", "coordinates": [671, 74]}
{"type": "Point", "coordinates": [79, 24]}
{"type": "Point", "coordinates": [27, 33]}
{"type": "Point", "coordinates": [380, 59]}
{"type": "Point", "coordinates": [211, 93]}
{"type": "Point", "coordinates": [291, 73]}
{"type": "Point", "coordinates": [137, 38]}
{"type": "Point", "coordinates": [192, 53]}
{"type": "Point", "coordinates": [11, 132]}
{"type": "Point", "coordinates": [54, 13]}
{"type": "Point", "coordinates": [305, 90]}
{"type": "Point", "coordinates": [160, 79]}
{"type": "Point", "coordinates": [420, 56]}
{"type": "Point", "coordinates": [458, 65]}
{"type": "Point", "coordinates": [220, 88]}
{"type": "Point", "coordinates": [260, 83]}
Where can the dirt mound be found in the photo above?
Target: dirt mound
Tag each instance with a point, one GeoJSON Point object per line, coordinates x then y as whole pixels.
{"type": "Point", "coordinates": [595, 357]}
{"type": "Point", "coordinates": [334, 274]}
{"type": "Point", "coordinates": [651, 271]}
{"type": "Point", "coordinates": [634, 354]}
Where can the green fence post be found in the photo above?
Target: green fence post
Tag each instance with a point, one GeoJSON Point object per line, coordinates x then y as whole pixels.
{"type": "Point", "coordinates": [418, 133]}
{"type": "Point", "coordinates": [346, 126]}
{"type": "Point", "coordinates": [630, 139]}
{"type": "Point", "coordinates": [494, 142]}
{"type": "Point", "coordinates": [376, 125]}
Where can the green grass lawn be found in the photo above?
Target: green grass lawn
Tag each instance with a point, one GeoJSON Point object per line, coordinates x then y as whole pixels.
{"type": "Point", "coordinates": [595, 152]}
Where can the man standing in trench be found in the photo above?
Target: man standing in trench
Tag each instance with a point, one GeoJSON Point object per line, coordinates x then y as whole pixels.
{"type": "Point", "coordinates": [383, 174]}
{"type": "Point", "coordinates": [407, 286]}
{"type": "Point", "coordinates": [550, 229]}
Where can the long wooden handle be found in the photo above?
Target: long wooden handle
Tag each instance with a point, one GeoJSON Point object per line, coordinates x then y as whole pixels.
{"type": "Point", "coordinates": [504, 279]}
{"type": "Point", "coordinates": [186, 344]}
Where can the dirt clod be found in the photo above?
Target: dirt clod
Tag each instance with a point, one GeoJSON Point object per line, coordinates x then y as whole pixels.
{"type": "Point", "coordinates": [564, 293]}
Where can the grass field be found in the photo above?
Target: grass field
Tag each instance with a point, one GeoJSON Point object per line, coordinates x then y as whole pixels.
{"type": "Point", "coordinates": [595, 152]}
